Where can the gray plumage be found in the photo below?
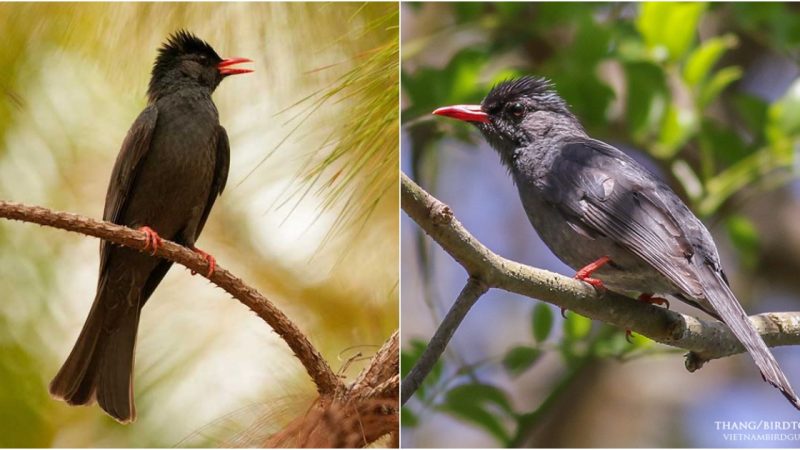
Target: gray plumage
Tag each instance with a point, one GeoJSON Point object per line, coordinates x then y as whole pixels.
{"type": "Point", "coordinates": [172, 166]}
{"type": "Point", "coordinates": [587, 200]}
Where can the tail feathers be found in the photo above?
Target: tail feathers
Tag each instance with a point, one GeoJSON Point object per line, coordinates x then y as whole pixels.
{"type": "Point", "coordinates": [115, 383]}
{"type": "Point", "coordinates": [75, 382]}
{"type": "Point", "coordinates": [100, 366]}
{"type": "Point", "coordinates": [727, 306]}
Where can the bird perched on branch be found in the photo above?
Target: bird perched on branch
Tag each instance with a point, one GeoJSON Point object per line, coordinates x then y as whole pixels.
{"type": "Point", "coordinates": [172, 166]}
{"type": "Point", "coordinates": [604, 214]}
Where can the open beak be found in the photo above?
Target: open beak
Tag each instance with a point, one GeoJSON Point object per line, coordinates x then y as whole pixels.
{"type": "Point", "coordinates": [225, 68]}
{"type": "Point", "coordinates": [467, 113]}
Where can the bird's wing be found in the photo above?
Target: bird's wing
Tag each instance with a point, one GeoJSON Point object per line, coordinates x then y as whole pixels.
{"type": "Point", "coordinates": [133, 151]}
{"type": "Point", "coordinates": [220, 175]}
{"type": "Point", "coordinates": [606, 191]}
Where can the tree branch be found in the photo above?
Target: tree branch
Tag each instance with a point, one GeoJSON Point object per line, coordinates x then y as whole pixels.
{"type": "Point", "coordinates": [470, 294]}
{"type": "Point", "coordinates": [706, 340]}
{"type": "Point", "coordinates": [325, 379]}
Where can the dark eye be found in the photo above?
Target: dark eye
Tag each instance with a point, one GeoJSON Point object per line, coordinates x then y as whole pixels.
{"type": "Point", "coordinates": [516, 109]}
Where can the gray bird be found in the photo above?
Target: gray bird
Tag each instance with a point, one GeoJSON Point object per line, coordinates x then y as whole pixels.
{"type": "Point", "coordinates": [172, 166]}
{"type": "Point", "coordinates": [604, 214]}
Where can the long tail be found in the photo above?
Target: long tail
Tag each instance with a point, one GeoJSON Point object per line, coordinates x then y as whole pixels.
{"type": "Point", "coordinates": [727, 306]}
{"type": "Point", "coordinates": [100, 365]}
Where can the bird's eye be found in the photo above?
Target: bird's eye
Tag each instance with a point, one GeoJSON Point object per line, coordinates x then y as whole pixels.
{"type": "Point", "coordinates": [516, 109]}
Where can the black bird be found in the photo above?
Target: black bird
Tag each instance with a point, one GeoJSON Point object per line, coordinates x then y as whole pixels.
{"type": "Point", "coordinates": [603, 213]}
{"type": "Point", "coordinates": [172, 166]}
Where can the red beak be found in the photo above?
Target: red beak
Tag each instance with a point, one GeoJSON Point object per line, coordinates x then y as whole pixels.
{"type": "Point", "coordinates": [467, 113]}
{"type": "Point", "coordinates": [225, 69]}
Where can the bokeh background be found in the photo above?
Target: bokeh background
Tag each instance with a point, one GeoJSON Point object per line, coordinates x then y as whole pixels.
{"type": "Point", "coordinates": [708, 97]}
{"type": "Point", "coordinates": [309, 215]}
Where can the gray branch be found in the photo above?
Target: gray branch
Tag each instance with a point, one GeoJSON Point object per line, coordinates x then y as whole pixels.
{"type": "Point", "coordinates": [468, 296]}
{"type": "Point", "coordinates": [705, 340]}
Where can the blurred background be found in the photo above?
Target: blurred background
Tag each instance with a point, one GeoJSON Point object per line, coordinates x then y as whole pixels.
{"type": "Point", "coordinates": [309, 215]}
{"type": "Point", "coordinates": [708, 97]}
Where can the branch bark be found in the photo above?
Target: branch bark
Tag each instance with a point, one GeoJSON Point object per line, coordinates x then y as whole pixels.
{"type": "Point", "coordinates": [705, 340]}
{"type": "Point", "coordinates": [351, 416]}
{"type": "Point", "coordinates": [470, 294]}
{"type": "Point", "coordinates": [325, 379]}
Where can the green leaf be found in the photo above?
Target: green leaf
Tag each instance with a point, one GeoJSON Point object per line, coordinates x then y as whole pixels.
{"type": "Point", "coordinates": [702, 59]}
{"type": "Point", "coordinates": [721, 79]}
{"type": "Point", "coordinates": [785, 113]}
{"type": "Point", "coordinates": [408, 418]}
{"type": "Point", "coordinates": [479, 392]}
{"type": "Point", "coordinates": [753, 110]}
{"type": "Point", "coordinates": [647, 97]}
{"type": "Point", "coordinates": [669, 28]}
{"type": "Point", "coordinates": [612, 346]}
{"type": "Point", "coordinates": [577, 327]}
{"type": "Point", "coordinates": [679, 126]}
{"type": "Point", "coordinates": [520, 359]}
{"type": "Point", "coordinates": [480, 404]}
{"type": "Point", "coordinates": [542, 322]}
{"type": "Point", "coordinates": [724, 144]}
{"type": "Point", "coordinates": [744, 236]}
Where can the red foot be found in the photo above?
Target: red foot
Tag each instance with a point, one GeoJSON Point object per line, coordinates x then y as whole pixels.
{"type": "Point", "coordinates": [212, 263]}
{"type": "Point", "coordinates": [628, 335]}
{"type": "Point", "coordinates": [152, 239]}
{"type": "Point", "coordinates": [585, 273]}
{"type": "Point", "coordinates": [648, 298]}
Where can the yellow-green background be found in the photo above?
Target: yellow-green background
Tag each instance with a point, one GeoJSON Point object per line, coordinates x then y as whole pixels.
{"type": "Point", "coordinates": [314, 227]}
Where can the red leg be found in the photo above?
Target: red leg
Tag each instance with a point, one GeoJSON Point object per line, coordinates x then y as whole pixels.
{"type": "Point", "coordinates": [152, 239]}
{"type": "Point", "coordinates": [212, 263]}
{"type": "Point", "coordinates": [585, 273]}
{"type": "Point", "coordinates": [648, 298]}
{"type": "Point", "coordinates": [628, 335]}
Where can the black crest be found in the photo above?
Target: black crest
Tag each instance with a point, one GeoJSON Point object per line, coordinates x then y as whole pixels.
{"type": "Point", "coordinates": [538, 88]}
{"type": "Point", "coordinates": [183, 42]}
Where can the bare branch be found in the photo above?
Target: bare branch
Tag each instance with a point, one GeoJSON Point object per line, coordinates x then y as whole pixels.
{"type": "Point", "coordinates": [706, 340]}
{"type": "Point", "coordinates": [326, 380]}
{"type": "Point", "coordinates": [470, 294]}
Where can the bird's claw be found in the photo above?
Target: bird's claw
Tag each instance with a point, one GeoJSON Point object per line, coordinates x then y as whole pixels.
{"type": "Point", "coordinates": [628, 336]}
{"type": "Point", "coordinates": [597, 284]}
{"type": "Point", "coordinates": [152, 240]}
{"type": "Point", "coordinates": [586, 272]}
{"type": "Point", "coordinates": [564, 312]}
{"type": "Point", "coordinates": [648, 298]}
{"type": "Point", "coordinates": [212, 262]}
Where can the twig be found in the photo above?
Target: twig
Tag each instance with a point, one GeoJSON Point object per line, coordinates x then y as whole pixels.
{"type": "Point", "coordinates": [325, 379]}
{"type": "Point", "coordinates": [706, 340]}
{"type": "Point", "coordinates": [469, 295]}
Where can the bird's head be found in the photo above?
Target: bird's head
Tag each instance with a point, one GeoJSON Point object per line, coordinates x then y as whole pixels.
{"type": "Point", "coordinates": [186, 60]}
{"type": "Point", "coordinates": [517, 112]}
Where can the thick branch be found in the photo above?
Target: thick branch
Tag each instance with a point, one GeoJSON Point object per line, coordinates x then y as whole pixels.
{"type": "Point", "coordinates": [705, 340]}
{"type": "Point", "coordinates": [327, 382]}
{"type": "Point", "coordinates": [377, 378]}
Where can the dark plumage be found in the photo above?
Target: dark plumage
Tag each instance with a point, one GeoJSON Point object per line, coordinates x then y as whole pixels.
{"type": "Point", "coordinates": [172, 166]}
{"type": "Point", "coordinates": [589, 201]}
